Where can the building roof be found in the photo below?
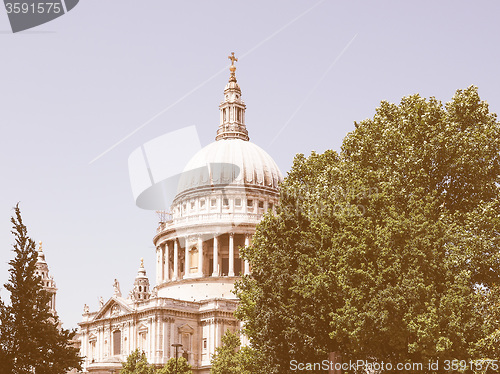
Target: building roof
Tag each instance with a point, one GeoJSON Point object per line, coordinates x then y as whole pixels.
{"type": "Point", "coordinates": [232, 162]}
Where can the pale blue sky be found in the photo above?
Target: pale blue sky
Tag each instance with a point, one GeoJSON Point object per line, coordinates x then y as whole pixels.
{"type": "Point", "coordinates": [72, 88]}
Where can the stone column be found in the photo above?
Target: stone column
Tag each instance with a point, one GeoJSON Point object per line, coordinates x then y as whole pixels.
{"type": "Point", "coordinates": [175, 275]}
{"type": "Point", "coordinates": [158, 265]}
{"type": "Point", "coordinates": [200, 256]}
{"type": "Point", "coordinates": [186, 258]}
{"type": "Point", "coordinates": [172, 339]}
{"type": "Point", "coordinates": [99, 344]}
{"type": "Point", "coordinates": [159, 337]}
{"type": "Point", "coordinates": [85, 348]}
{"type": "Point", "coordinates": [231, 254]}
{"type": "Point", "coordinates": [215, 272]}
{"type": "Point", "coordinates": [162, 263]}
{"type": "Point", "coordinates": [130, 339]}
{"type": "Point", "coordinates": [166, 259]}
{"type": "Point", "coordinates": [152, 338]}
{"type": "Point", "coordinates": [166, 338]}
{"type": "Point", "coordinates": [247, 264]}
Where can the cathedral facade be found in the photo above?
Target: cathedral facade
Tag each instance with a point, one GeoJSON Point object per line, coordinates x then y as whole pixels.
{"type": "Point", "coordinates": [224, 192]}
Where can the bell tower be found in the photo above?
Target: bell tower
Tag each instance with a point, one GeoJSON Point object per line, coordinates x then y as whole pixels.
{"type": "Point", "coordinates": [48, 283]}
{"type": "Point", "coordinates": [141, 284]}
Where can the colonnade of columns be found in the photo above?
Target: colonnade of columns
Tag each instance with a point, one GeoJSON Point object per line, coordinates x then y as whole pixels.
{"type": "Point", "coordinates": [195, 254]}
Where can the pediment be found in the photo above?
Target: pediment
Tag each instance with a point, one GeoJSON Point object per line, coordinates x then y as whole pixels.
{"type": "Point", "coordinates": [114, 307]}
{"type": "Point", "coordinates": [186, 329]}
{"type": "Point", "coordinates": [142, 328]}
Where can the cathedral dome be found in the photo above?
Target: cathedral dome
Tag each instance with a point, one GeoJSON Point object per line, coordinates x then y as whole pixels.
{"type": "Point", "coordinates": [230, 162]}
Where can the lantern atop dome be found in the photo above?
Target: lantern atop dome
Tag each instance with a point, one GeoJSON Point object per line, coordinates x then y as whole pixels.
{"type": "Point", "coordinates": [232, 109]}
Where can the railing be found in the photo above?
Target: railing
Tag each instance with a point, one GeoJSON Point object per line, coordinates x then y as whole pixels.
{"type": "Point", "coordinates": [222, 217]}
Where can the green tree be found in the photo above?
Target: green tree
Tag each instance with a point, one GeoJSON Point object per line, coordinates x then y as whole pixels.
{"type": "Point", "coordinates": [30, 337]}
{"type": "Point", "coordinates": [230, 358]}
{"type": "Point", "coordinates": [388, 251]}
{"type": "Point", "coordinates": [6, 352]}
{"type": "Point", "coordinates": [183, 367]}
{"type": "Point", "coordinates": [137, 363]}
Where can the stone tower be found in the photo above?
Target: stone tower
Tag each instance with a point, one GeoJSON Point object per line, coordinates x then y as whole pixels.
{"type": "Point", "coordinates": [141, 285]}
{"type": "Point", "coordinates": [48, 283]}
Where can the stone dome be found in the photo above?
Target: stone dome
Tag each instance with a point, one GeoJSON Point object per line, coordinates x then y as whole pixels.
{"type": "Point", "coordinates": [230, 162]}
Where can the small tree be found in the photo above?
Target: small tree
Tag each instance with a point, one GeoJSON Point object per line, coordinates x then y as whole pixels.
{"type": "Point", "coordinates": [137, 363]}
{"type": "Point", "coordinates": [182, 367]}
{"type": "Point", "coordinates": [30, 337]}
{"type": "Point", "coordinates": [230, 358]}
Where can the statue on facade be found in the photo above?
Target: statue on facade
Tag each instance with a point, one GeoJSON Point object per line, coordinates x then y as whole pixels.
{"type": "Point", "coordinates": [86, 308]}
{"type": "Point", "coordinates": [116, 287]}
{"type": "Point", "coordinates": [154, 293]}
{"type": "Point", "coordinates": [101, 302]}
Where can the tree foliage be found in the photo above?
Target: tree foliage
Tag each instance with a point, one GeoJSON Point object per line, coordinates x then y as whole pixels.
{"type": "Point", "coordinates": [230, 358]}
{"type": "Point", "coordinates": [6, 353]}
{"type": "Point", "coordinates": [183, 367]}
{"type": "Point", "coordinates": [30, 337]}
{"type": "Point", "coordinates": [137, 363]}
{"type": "Point", "coordinates": [388, 251]}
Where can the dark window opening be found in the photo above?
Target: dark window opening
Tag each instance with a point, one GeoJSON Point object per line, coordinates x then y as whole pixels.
{"type": "Point", "coordinates": [211, 266]}
{"type": "Point", "coordinates": [225, 266]}
{"type": "Point", "coordinates": [117, 342]}
{"type": "Point", "coordinates": [237, 265]}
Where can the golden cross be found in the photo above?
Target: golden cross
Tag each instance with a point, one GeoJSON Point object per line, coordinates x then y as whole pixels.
{"type": "Point", "coordinates": [232, 58]}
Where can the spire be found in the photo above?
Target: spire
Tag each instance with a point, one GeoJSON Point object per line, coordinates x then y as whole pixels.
{"type": "Point", "coordinates": [142, 271]}
{"type": "Point", "coordinates": [232, 109]}
{"type": "Point", "coordinates": [141, 284]}
{"type": "Point", "coordinates": [41, 255]}
{"type": "Point", "coordinates": [232, 68]}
